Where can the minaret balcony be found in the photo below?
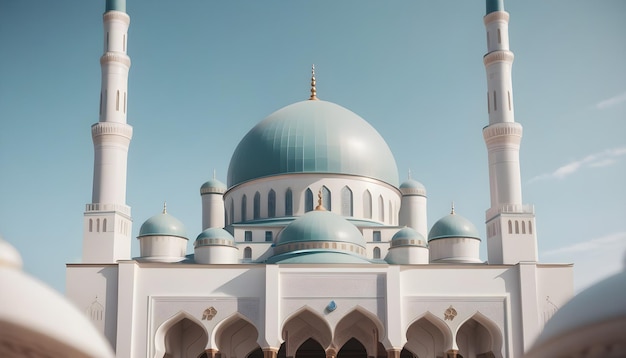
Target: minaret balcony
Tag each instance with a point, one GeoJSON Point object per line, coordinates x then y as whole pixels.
{"type": "Point", "coordinates": [98, 207]}
{"type": "Point", "coordinates": [510, 209]}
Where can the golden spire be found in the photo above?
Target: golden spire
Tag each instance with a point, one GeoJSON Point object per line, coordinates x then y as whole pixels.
{"type": "Point", "coordinates": [313, 90]}
{"type": "Point", "coordinates": [320, 206]}
{"type": "Point", "coordinates": [452, 211]}
{"type": "Point", "coordinates": [165, 207]}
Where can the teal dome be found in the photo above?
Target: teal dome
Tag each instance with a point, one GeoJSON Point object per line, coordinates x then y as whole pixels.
{"type": "Point", "coordinates": [163, 224]}
{"type": "Point", "coordinates": [320, 226]}
{"type": "Point", "coordinates": [312, 137]}
{"type": "Point", "coordinates": [214, 236]}
{"type": "Point", "coordinates": [453, 225]}
{"type": "Point", "coordinates": [412, 184]}
{"type": "Point", "coordinates": [408, 236]}
{"type": "Point", "coordinates": [213, 186]}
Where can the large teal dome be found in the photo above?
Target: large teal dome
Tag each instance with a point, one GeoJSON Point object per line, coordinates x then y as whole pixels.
{"type": "Point", "coordinates": [312, 137]}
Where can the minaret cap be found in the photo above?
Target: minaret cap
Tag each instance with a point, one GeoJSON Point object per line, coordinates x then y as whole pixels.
{"type": "Point", "coordinates": [494, 5]}
{"type": "Point", "coordinates": [116, 5]}
{"type": "Point", "coordinates": [313, 89]}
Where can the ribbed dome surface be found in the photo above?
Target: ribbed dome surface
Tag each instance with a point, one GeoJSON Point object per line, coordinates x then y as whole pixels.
{"type": "Point", "coordinates": [453, 225]}
{"type": "Point", "coordinates": [312, 137]}
{"type": "Point", "coordinates": [163, 224]}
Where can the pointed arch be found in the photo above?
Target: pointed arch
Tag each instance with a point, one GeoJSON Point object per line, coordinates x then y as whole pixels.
{"type": "Point", "coordinates": [346, 201]}
{"type": "Point", "coordinates": [308, 200]}
{"type": "Point", "coordinates": [355, 348]}
{"type": "Point", "coordinates": [510, 227]}
{"type": "Point", "coordinates": [516, 227]}
{"type": "Point", "coordinates": [169, 336]}
{"type": "Point", "coordinates": [480, 335]}
{"type": "Point", "coordinates": [428, 336]}
{"type": "Point", "coordinates": [361, 325]}
{"type": "Point", "coordinates": [271, 204]}
{"type": "Point", "coordinates": [244, 207]}
{"type": "Point", "coordinates": [530, 227]}
{"type": "Point", "coordinates": [256, 212]}
{"type": "Point", "coordinates": [288, 202]}
{"type": "Point", "coordinates": [367, 204]}
{"type": "Point", "coordinates": [381, 208]}
{"type": "Point", "coordinates": [104, 225]}
{"type": "Point", "coordinates": [236, 336]}
{"type": "Point", "coordinates": [232, 210]}
{"type": "Point", "coordinates": [376, 253]}
{"type": "Point", "coordinates": [326, 198]}
{"type": "Point", "coordinates": [303, 325]}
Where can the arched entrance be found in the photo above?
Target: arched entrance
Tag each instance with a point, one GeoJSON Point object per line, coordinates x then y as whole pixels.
{"type": "Point", "coordinates": [305, 327]}
{"type": "Point", "coordinates": [479, 337]}
{"type": "Point", "coordinates": [237, 338]}
{"type": "Point", "coordinates": [181, 337]}
{"type": "Point", "coordinates": [358, 326]}
{"type": "Point", "coordinates": [427, 337]}
{"type": "Point", "coordinates": [352, 349]}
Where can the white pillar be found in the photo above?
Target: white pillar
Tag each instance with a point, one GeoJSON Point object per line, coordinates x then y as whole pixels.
{"type": "Point", "coordinates": [107, 220]}
{"type": "Point", "coordinates": [503, 137]}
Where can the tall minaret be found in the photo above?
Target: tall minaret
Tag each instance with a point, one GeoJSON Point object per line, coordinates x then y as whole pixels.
{"type": "Point", "coordinates": [511, 229]}
{"type": "Point", "coordinates": [107, 221]}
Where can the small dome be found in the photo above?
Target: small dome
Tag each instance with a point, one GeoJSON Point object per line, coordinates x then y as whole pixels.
{"type": "Point", "coordinates": [214, 236]}
{"type": "Point", "coordinates": [163, 224]}
{"type": "Point", "coordinates": [412, 184]}
{"type": "Point", "coordinates": [312, 137]}
{"type": "Point", "coordinates": [453, 225]}
{"type": "Point", "coordinates": [9, 256]}
{"type": "Point", "coordinates": [321, 226]}
{"type": "Point", "coordinates": [213, 186]}
{"type": "Point", "coordinates": [408, 237]}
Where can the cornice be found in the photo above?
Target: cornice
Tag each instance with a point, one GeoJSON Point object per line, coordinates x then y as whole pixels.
{"type": "Point", "coordinates": [115, 57]}
{"type": "Point", "coordinates": [498, 55]}
{"type": "Point", "coordinates": [496, 16]}
{"type": "Point", "coordinates": [116, 15]}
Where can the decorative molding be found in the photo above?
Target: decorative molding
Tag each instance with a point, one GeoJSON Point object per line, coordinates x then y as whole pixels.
{"type": "Point", "coordinates": [449, 313]}
{"type": "Point", "coordinates": [326, 245]}
{"type": "Point", "coordinates": [116, 15]}
{"type": "Point", "coordinates": [502, 129]}
{"type": "Point", "coordinates": [498, 55]}
{"type": "Point", "coordinates": [212, 191]}
{"type": "Point", "coordinates": [211, 242]}
{"type": "Point", "coordinates": [114, 128]}
{"type": "Point", "coordinates": [115, 57]}
{"type": "Point", "coordinates": [209, 313]}
{"type": "Point", "coordinates": [496, 16]}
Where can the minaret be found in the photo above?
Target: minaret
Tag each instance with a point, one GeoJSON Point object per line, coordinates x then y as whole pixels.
{"type": "Point", "coordinates": [511, 234]}
{"type": "Point", "coordinates": [107, 220]}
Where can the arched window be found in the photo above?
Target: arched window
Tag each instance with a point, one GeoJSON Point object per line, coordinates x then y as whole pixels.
{"type": "Point", "coordinates": [530, 227]}
{"type": "Point", "coordinates": [288, 202]}
{"type": "Point", "coordinates": [90, 225]}
{"type": "Point", "coordinates": [98, 225]}
{"type": "Point", "coordinates": [271, 204]}
{"type": "Point", "coordinates": [346, 201]}
{"type": "Point", "coordinates": [367, 204]}
{"type": "Point", "coordinates": [257, 206]}
{"type": "Point", "coordinates": [244, 207]}
{"type": "Point", "coordinates": [117, 101]}
{"type": "Point", "coordinates": [376, 253]}
{"type": "Point", "coordinates": [516, 227]}
{"type": "Point", "coordinates": [523, 227]}
{"type": "Point", "coordinates": [381, 208]}
{"type": "Point", "coordinates": [391, 213]}
{"type": "Point", "coordinates": [495, 101]}
{"type": "Point", "coordinates": [247, 253]}
{"type": "Point", "coordinates": [326, 198]}
{"type": "Point", "coordinates": [510, 227]}
{"type": "Point", "coordinates": [499, 36]}
{"type": "Point", "coordinates": [104, 225]}
{"type": "Point", "coordinates": [124, 102]}
{"type": "Point", "coordinates": [308, 200]}
{"type": "Point", "coordinates": [232, 210]}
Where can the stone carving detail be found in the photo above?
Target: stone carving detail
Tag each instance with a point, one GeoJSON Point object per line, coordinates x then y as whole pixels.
{"type": "Point", "coordinates": [449, 313]}
{"type": "Point", "coordinates": [209, 313]}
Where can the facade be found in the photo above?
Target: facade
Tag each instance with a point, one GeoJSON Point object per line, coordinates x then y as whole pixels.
{"type": "Point", "coordinates": [314, 247]}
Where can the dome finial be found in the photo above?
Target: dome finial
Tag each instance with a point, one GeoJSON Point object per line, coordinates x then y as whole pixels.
{"type": "Point", "coordinates": [320, 206]}
{"type": "Point", "coordinates": [165, 207]}
{"type": "Point", "coordinates": [313, 90]}
{"type": "Point", "coordinates": [452, 211]}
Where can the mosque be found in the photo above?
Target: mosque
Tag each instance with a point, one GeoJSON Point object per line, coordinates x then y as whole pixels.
{"type": "Point", "coordinates": [313, 247]}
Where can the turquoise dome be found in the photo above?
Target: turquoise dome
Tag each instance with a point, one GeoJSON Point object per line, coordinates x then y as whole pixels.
{"type": "Point", "coordinates": [312, 136]}
{"type": "Point", "coordinates": [163, 224]}
{"type": "Point", "coordinates": [408, 236]}
{"type": "Point", "coordinates": [453, 225]}
{"type": "Point", "coordinates": [412, 184]}
{"type": "Point", "coordinates": [214, 236]}
{"type": "Point", "coordinates": [213, 186]}
{"type": "Point", "coordinates": [320, 226]}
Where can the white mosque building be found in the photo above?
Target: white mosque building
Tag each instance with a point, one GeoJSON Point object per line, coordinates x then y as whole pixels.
{"type": "Point", "coordinates": [313, 247]}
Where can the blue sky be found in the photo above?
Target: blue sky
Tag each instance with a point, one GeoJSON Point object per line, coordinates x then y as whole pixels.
{"type": "Point", "coordinates": [204, 72]}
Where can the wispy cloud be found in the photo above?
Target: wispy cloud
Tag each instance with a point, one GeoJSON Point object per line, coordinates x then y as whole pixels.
{"type": "Point", "coordinates": [610, 102]}
{"type": "Point", "coordinates": [596, 160]}
{"type": "Point", "coordinates": [615, 240]}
